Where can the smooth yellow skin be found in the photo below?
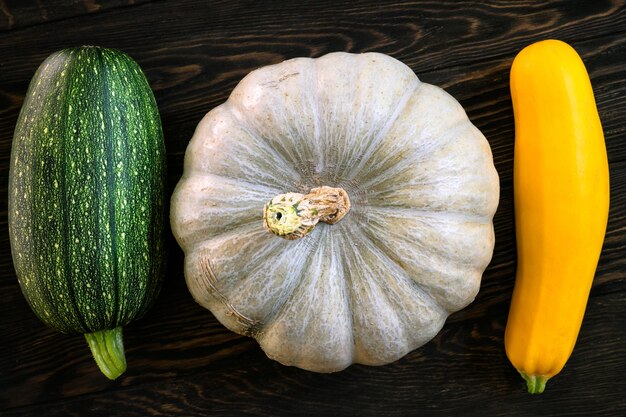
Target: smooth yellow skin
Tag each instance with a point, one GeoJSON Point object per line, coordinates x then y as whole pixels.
{"type": "Point", "coordinates": [561, 190]}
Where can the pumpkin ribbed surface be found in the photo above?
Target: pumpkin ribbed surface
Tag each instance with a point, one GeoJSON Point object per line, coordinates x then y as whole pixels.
{"type": "Point", "coordinates": [382, 280]}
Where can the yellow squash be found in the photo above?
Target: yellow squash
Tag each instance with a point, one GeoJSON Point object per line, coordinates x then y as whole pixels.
{"type": "Point", "coordinates": [561, 190]}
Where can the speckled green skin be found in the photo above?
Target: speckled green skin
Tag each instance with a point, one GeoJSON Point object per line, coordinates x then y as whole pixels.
{"type": "Point", "coordinates": [86, 191]}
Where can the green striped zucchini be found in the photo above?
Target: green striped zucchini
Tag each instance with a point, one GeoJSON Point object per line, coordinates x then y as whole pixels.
{"type": "Point", "coordinates": [86, 197]}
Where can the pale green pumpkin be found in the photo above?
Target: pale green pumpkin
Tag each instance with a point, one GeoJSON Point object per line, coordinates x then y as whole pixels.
{"type": "Point", "coordinates": [384, 192]}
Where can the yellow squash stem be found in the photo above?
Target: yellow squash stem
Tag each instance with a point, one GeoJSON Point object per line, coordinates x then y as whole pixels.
{"type": "Point", "coordinates": [535, 383]}
{"type": "Point", "coordinates": [107, 348]}
{"type": "Point", "coordinates": [561, 194]}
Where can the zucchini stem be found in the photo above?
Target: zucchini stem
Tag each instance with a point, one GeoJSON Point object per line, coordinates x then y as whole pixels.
{"type": "Point", "coordinates": [107, 349]}
{"type": "Point", "coordinates": [536, 383]}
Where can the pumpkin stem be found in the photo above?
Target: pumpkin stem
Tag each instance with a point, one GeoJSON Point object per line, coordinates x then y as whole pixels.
{"type": "Point", "coordinates": [108, 351]}
{"type": "Point", "coordinates": [293, 215]}
{"type": "Point", "coordinates": [535, 383]}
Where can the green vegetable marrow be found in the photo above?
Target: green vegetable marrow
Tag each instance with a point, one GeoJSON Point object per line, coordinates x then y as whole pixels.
{"type": "Point", "coordinates": [86, 197]}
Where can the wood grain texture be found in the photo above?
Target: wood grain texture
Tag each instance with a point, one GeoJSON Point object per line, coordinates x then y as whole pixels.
{"type": "Point", "coordinates": [15, 14]}
{"type": "Point", "coordinates": [181, 360]}
{"type": "Point", "coordinates": [471, 354]}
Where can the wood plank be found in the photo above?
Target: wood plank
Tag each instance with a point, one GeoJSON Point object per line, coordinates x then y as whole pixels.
{"type": "Point", "coordinates": [244, 35]}
{"type": "Point", "coordinates": [194, 66]}
{"type": "Point", "coordinates": [491, 112]}
{"type": "Point", "coordinates": [434, 381]}
{"type": "Point", "coordinates": [181, 361]}
{"type": "Point", "coordinates": [482, 88]}
{"type": "Point", "coordinates": [16, 14]}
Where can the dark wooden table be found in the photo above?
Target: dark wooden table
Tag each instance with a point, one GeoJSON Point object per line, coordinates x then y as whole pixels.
{"type": "Point", "coordinates": [181, 360]}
